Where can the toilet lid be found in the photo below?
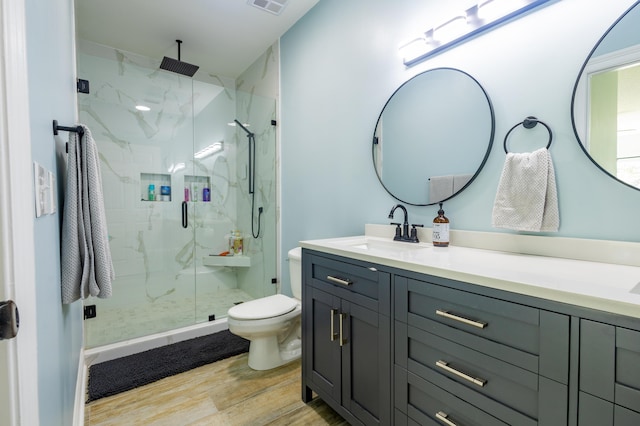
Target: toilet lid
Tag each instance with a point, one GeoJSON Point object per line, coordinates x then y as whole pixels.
{"type": "Point", "coordinates": [266, 307]}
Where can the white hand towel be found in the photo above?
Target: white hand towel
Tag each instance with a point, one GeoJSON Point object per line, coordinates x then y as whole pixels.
{"type": "Point", "coordinates": [527, 199]}
{"type": "Point", "coordinates": [86, 265]}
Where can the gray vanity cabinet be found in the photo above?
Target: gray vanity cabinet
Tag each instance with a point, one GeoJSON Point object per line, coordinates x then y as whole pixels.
{"type": "Point", "coordinates": [347, 338]}
{"type": "Point", "coordinates": [387, 346]}
{"type": "Point", "coordinates": [609, 375]}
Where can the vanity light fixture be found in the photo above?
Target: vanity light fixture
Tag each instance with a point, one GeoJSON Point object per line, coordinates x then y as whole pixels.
{"type": "Point", "coordinates": [481, 17]}
{"type": "Point", "coordinates": [209, 150]}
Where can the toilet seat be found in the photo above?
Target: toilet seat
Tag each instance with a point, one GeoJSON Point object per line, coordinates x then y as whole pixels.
{"type": "Point", "coordinates": [266, 307]}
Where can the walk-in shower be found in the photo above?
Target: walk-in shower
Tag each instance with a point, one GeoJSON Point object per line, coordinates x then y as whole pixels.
{"type": "Point", "coordinates": [149, 125]}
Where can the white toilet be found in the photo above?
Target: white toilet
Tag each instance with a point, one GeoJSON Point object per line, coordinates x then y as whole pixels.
{"type": "Point", "coordinates": [272, 323]}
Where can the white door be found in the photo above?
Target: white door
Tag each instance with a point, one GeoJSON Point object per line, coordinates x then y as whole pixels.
{"type": "Point", "coordinates": [18, 356]}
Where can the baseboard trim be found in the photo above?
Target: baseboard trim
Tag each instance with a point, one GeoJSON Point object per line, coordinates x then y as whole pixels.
{"type": "Point", "coordinates": [81, 391]}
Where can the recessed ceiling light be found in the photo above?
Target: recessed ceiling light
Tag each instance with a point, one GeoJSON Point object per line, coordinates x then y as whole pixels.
{"type": "Point", "coordinates": [143, 108]}
{"type": "Point", "coordinates": [271, 6]}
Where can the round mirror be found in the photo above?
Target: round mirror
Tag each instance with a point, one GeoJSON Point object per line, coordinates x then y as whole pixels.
{"type": "Point", "coordinates": [606, 101]}
{"type": "Point", "coordinates": [433, 136]}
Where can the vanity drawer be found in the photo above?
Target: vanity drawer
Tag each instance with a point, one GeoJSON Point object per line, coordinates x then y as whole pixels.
{"type": "Point", "coordinates": [445, 362]}
{"type": "Point", "coordinates": [610, 363]}
{"type": "Point", "coordinates": [497, 320]}
{"type": "Point", "coordinates": [356, 281]}
{"type": "Point", "coordinates": [427, 404]}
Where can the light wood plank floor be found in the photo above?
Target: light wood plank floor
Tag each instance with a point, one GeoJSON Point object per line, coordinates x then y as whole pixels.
{"type": "Point", "coordinates": [226, 392]}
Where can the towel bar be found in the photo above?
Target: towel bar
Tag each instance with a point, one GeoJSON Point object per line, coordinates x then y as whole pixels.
{"type": "Point", "coordinates": [78, 129]}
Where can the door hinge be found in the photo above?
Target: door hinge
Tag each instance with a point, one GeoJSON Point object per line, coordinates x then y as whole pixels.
{"type": "Point", "coordinates": [9, 320]}
{"type": "Point", "coordinates": [90, 311]}
{"type": "Point", "coordinates": [82, 86]}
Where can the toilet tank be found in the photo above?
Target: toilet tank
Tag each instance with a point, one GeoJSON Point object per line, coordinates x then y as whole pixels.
{"type": "Point", "coordinates": [295, 272]}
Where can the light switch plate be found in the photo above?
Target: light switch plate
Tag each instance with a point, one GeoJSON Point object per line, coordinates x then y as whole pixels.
{"type": "Point", "coordinates": [39, 176]}
{"type": "Point", "coordinates": [44, 189]}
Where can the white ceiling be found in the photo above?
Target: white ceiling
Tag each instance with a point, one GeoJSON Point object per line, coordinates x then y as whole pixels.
{"type": "Point", "coordinates": [223, 37]}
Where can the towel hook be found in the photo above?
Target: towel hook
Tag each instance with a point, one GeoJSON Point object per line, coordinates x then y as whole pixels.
{"type": "Point", "coordinates": [528, 123]}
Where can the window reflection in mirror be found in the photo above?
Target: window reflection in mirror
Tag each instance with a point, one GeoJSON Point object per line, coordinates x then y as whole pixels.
{"type": "Point", "coordinates": [606, 101]}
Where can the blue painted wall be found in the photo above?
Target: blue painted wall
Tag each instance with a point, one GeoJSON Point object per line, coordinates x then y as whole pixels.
{"type": "Point", "coordinates": [340, 63]}
{"type": "Point", "coordinates": [52, 96]}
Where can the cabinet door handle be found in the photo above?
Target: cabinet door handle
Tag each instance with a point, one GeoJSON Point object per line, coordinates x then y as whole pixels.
{"type": "Point", "coordinates": [339, 280]}
{"type": "Point", "coordinates": [444, 418]}
{"type": "Point", "coordinates": [342, 318]}
{"type": "Point", "coordinates": [447, 314]}
{"type": "Point", "coordinates": [333, 333]}
{"type": "Point", "coordinates": [475, 380]}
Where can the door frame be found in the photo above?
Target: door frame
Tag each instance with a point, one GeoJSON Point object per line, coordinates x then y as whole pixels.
{"type": "Point", "coordinates": [17, 214]}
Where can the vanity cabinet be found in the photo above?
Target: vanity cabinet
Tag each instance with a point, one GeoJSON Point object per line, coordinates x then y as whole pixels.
{"type": "Point", "coordinates": [508, 361]}
{"type": "Point", "coordinates": [347, 337]}
{"type": "Point", "coordinates": [609, 375]}
{"type": "Point", "coordinates": [384, 345]}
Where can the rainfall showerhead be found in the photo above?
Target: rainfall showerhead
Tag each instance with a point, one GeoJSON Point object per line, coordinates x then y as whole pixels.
{"type": "Point", "coordinates": [178, 66]}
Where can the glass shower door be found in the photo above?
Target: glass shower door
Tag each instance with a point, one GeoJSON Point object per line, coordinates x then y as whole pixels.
{"type": "Point", "coordinates": [142, 121]}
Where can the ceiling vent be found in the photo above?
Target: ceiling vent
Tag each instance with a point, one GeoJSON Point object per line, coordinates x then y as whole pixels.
{"type": "Point", "coordinates": [271, 6]}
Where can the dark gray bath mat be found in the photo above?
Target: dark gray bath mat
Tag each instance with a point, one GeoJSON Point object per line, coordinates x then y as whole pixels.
{"type": "Point", "coordinates": [122, 374]}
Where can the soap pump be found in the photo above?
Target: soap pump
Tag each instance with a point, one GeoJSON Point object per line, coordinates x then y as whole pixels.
{"type": "Point", "coordinates": [440, 236]}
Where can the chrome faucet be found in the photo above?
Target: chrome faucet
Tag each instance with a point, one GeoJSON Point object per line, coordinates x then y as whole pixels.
{"type": "Point", "coordinates": [404, 236]}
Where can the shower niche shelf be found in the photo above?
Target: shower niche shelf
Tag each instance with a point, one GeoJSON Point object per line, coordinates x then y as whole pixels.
{"type": "Point", "coordinates": [194, 188]}
{"type": "Point", "coordinates": [159, 180]}
{"type": "Point", "coordinates": [233, 261]}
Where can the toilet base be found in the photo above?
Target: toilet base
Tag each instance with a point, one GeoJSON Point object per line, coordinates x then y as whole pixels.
{"type": "Point", "coordinates": [265, 353]}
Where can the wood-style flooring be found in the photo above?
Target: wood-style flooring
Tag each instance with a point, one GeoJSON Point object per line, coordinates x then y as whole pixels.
{"type": "Point", "coordinates": [226, 392]}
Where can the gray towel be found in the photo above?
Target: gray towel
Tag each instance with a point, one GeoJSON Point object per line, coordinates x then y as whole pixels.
{"type": "Point", "coordinates": [440, 188]}
{"type": "Point", "coordinates": [86, 266]}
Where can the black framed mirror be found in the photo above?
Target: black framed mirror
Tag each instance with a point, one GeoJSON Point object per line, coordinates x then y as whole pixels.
{"type": "Point", "coordinates": [433, 136]}
{"type": "Point", "coordinates": [605, 106]}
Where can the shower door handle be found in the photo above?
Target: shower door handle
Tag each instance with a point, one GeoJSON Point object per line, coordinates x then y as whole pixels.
{"type": "Point", "coordinates": [185, 221]}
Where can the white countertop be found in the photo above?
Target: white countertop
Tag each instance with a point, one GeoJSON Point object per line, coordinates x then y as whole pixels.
{"type": "Point", "coordinates": [598, 285]}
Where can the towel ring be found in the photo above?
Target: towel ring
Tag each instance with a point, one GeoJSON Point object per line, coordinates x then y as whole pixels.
{"type": "Point", "coordinates": [528, 123]}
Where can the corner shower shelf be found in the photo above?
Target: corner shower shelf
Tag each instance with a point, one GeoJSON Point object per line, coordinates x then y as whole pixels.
{"type": "Point", "coordinates": [235, 261]}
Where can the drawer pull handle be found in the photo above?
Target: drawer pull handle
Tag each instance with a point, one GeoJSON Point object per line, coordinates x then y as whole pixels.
{"type": "Point", "coordinates": [372, 269]}
{"type": "Point", "coordinates": [475, 380]}
{"type": "Point", "coordinates": [333, 333]}
{"type": "Point", "coordinates": [447, 314]}
{"type": "Point", "coordinates": [339, 280]}
{"type": "Point", "coordinates": [342, 317]}
{"type": "Point", "coordinates": [444, 418]}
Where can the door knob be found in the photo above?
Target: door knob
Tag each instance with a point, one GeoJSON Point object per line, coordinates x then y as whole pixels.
{"type": "Point", "coordinates": [9, 320]}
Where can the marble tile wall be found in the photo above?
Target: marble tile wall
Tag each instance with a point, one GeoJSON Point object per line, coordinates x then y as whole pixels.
{"type": "Point", "coordinates": [158, 263]}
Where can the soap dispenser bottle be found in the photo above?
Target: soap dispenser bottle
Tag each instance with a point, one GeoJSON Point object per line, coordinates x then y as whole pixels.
{"type": "Point", "coordinates": [440, 235]}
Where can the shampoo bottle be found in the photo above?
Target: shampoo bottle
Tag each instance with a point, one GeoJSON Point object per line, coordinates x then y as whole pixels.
{"type": "Point", "coordinates": [440, 236]}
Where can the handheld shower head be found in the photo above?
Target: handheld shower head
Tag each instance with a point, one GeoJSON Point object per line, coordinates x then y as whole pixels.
{"type": "Point", "coordinates": [178, 66]}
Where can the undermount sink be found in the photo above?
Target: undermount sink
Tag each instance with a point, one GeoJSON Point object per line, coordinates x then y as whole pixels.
{"type": "Point", "coordinates": [378, 246]}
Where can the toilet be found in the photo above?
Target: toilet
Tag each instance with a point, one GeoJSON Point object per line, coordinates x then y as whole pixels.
{"type": "Point", "coordinates": [272, 323]}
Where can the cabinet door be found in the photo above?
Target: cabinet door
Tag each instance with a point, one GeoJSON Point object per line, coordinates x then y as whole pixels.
{"type": "Point", "coordinates": [322, 350]}
{"type": "Point", "coordinates": [366, 364]}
